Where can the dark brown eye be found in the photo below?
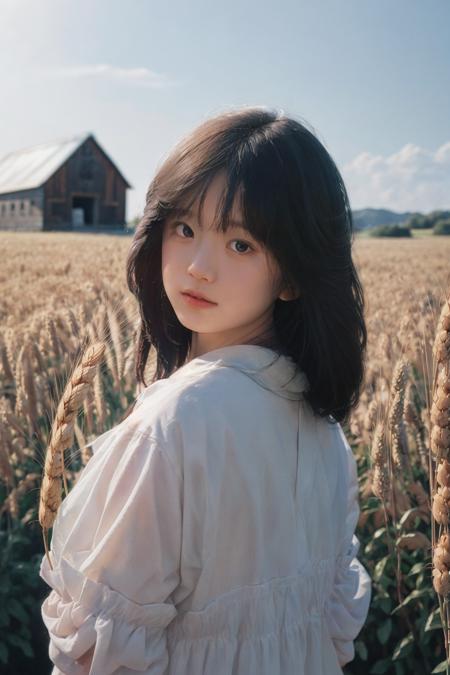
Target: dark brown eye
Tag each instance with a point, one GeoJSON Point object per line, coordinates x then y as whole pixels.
{"type": "Point", "coordinates": [242, 243]}
{"type": "Point", "coordinates": [183, 225]}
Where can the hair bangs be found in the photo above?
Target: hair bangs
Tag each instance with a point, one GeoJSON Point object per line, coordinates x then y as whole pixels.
{"type": "Point", "coordinates": [231, 200]}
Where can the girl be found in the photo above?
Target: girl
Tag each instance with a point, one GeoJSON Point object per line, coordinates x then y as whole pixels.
{"type": "Point", "coordinates": [213, 530]}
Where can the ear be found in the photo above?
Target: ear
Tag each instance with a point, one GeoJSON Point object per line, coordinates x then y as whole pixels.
{"type": "Point", "coordinates": [289, 293]}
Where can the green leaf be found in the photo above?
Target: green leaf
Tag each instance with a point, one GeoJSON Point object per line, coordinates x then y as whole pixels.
{"type": "Point", "coordinates": [373, 504]}
{"type": "Point", "coordinates": [423, 581]}
{"type": "Point", "coordinates": [406, 515]}
{"type": "Point", "coordinates": [384, 631]}
{"type": "Point", "coordinates": [25, 632]}
{"type": "Point", "coordinates": [370, 509]}
{"type": "Point", "coordinates": [388, 582]}
{"type": "Point", "coordinates": [374, 541]}
{"type": "Point", "coordinates": [19, 642]}
{"type": "Point", "coordinates": [434, 620]}
{"type": "Point", "coordinates": [418, 567]}
{"type": "Point", "coordinates": [414, 595]}
{"type": "Point", "coordinates": [361, 650]}
{"type": "Point", "coordinates": [385, 604]}
{"type": "Point", "coordinates": [3, 653]}
{"type": "Point", "coordinates": [380, 567]}
{"type": "Point", "coordinates": [15, 609]}
{"type": "Point", "coordinates": [4, 617]}
{"type": "Point", "coordinates": [381, 666]}
{"type": "Point", "coordinates": [403, 647]}
{"type": "Point", "coordinates": [441, 667]}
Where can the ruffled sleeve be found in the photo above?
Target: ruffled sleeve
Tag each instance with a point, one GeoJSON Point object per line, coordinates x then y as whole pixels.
{"type": "Point", "coordinates": [348, 606]}
{"type": "Point", "coordinates": [115, 551]}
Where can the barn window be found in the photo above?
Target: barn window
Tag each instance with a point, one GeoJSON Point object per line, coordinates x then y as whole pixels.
{"type": "Point", "coordinates": [31, 205]}
{"type": "Point", "coordinates": [22, 206]}
{"type": "Point", "coordinates": [13, 206]}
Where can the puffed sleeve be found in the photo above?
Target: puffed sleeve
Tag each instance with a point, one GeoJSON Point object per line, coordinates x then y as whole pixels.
{"type": "Point", "coordinates": [115, 552]}
{"type": "Point", "coordinates": [348, 606]}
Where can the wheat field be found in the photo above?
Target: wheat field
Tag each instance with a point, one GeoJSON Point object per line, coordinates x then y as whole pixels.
{"type": "Point", "coordinates": [65, 293]}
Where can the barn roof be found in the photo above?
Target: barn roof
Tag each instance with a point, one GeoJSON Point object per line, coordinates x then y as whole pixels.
{"type": "Point", "coordinates": [32, 167]}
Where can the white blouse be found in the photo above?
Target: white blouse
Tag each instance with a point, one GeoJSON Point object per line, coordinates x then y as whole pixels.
{"type": "Point", "coordinates": [211, 532]}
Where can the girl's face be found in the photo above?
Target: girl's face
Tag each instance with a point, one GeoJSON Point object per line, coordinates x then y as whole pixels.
{"type": "Point", "coordinates": [231, 269]}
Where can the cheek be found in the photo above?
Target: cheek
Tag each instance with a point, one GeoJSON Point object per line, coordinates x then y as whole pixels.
{"type": "Point", "coordinates": [254, 281]}
{"type": "Point", "coordinates": [168, 253]}
{"type": "Point", "coordinates": [167, 263]}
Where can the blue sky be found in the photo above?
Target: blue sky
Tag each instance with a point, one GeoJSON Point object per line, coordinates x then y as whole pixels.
{"type": "Point", "coordinates": [372, 78]}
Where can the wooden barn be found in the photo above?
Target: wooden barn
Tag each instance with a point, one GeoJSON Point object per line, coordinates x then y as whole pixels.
{"type": "Point", "coordinates": [69, 184]}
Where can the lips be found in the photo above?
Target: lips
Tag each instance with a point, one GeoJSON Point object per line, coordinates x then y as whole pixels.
{"type": "Point", "coordinates": [198, 296]}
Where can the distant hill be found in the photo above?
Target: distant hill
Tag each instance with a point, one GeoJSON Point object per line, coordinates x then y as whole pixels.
{"type": "Point", "coordinates": [364, 218]}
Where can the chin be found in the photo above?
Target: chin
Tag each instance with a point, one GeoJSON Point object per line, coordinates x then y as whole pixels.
{"type": "Point", "coordinates": [188, 322]}
{"type": "Point", "coordinates": [196, 326]}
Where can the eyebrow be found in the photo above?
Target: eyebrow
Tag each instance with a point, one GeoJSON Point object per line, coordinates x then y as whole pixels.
{"type": "Point", "coordinates": [180, 211]}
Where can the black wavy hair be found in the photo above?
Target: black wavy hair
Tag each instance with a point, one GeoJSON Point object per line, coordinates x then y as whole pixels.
{"type": "Point", "coordinates": [295, 203]}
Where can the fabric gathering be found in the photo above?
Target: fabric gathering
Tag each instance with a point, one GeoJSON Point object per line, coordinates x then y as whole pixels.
{"type": "Point", "coordinates": [211, 532]}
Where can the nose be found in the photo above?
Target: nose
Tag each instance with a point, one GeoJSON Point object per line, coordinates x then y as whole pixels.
{"type": "Point", "coordinates": [201, 265]}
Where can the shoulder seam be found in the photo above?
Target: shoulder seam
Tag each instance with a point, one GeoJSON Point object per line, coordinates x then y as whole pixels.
{"type": "Point", "coordinates": [161, 447]}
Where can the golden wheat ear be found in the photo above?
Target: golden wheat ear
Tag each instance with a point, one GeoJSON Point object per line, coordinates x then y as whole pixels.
{"type": "Point", "coordinates": [62, 435]}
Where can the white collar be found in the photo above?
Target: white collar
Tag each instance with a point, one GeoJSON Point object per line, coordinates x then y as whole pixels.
{"type": "Point", "coordinates": [273, 371]}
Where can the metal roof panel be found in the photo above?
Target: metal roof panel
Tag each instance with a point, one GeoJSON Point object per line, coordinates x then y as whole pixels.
{"type": "Point", "coordinates": [32, 167]}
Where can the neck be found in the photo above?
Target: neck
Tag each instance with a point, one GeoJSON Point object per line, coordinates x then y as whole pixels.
{"type": "Point", "coordinates": [267, 339]}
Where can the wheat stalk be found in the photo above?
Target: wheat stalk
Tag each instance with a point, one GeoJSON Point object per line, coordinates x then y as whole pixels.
{"type": "Point", "coordinates": [116, 335]}
{"type": "Point", "coordinates": [10, 346]}
{"type": "Point", "coordinates": [71, 321]}
{"type": "Point", "coordinates": [29, 387]}
{"type": "Point", "coordinates": [411, 415]}
{"type": "Point", "coordinates": [36, 352]}
{"type": "Point", "coordinates": [99, 399]}
{"type": "Point", "coordinates": [62, 437]}
{"type": "Point", "coordinates": [395, 419]}
{"type": "Point", "coordinates": [380, 477]}
{"type": "Point", "coordinates": [88, 414]}
{"type": "Point", "coordinates": [6, 472]}
{"type": "Point", "coordinates": [440, 448]}
{"type": "Point", "coordinates": [52, 337]}
{"type": "Point", "coordinates": [7, 370]}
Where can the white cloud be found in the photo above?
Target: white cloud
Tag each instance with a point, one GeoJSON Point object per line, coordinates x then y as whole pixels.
{"type": "Point", "coordinates": [443, 154]}
{"type": "Point", "coordinates": [412, 179]}
{"type": "Point", "coordinates": [143, 77]}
